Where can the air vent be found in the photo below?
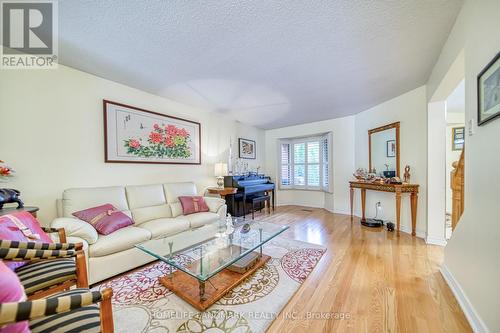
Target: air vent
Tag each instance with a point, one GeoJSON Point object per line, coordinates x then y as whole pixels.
{"type": "Point", "coordinates": [307, 210]}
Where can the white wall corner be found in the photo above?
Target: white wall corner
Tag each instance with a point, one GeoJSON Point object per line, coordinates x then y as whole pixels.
{"type": "Point", "coordinates": [475, 321]}
{"type": "Point", "coordinates": [435, 241]}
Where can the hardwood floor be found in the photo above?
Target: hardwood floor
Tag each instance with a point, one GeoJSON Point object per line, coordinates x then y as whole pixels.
{"type": "Point", "coordinates": [379, 282]}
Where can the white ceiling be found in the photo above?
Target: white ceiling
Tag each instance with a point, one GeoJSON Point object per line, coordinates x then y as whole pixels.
{"type": "Point", "coordinates": [266, 63]}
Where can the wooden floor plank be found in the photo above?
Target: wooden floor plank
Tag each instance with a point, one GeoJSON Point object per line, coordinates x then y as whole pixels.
{"type": "Point", "coordinates": [379, 282]}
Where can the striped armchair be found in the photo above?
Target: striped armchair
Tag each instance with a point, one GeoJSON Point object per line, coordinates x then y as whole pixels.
{"type": "Point", "coordinates": [52, 267]}
{"type": "Point", "coordinates": [71, 311]}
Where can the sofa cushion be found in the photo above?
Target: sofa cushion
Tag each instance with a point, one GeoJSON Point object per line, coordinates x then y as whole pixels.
{"type": "Point", "coordinates": [172, 193]}
{"type": "Point", "coordinates": [119, 240]}
{"type": "Point", "coordinates": [105, 219]}
{"type": "Point", "coordinates": [146, 214]}
{"type": "Point", "coordinates": [11, 291]}
{"type": "Point", "coordinates": [21, 226]}
{"type": "Point", "coordinates": [193, 204]}
{"type": "Point", "coordinates": [165, 226]}
{"type": "Point", "coordinates": [199, 219]}
{"type": "Point", "coordinates": [174, 190]}
{"type": "Point", "coordinates": [140, 196]}
{"type": "Point", "coordinates": [147, 203]}
{"type": "Point", "coordinates": [77, 199]}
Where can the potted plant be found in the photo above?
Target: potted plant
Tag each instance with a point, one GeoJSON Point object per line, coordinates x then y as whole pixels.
{"type": "Point", "coordinates": [6, 172]}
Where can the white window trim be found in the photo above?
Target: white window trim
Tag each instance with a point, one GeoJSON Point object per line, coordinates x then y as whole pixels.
{"type": "Point", "coordinates": [291, 156]}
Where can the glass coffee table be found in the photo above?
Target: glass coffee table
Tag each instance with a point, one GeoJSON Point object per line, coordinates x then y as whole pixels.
{"type": "Point", "coordinates": [209, 254]}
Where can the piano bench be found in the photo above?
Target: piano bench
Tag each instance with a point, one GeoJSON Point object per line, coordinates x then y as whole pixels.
{"type": "Point", "coordinates": [258, 200]}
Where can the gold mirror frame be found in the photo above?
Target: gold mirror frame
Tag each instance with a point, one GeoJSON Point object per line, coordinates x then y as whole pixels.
{"type": "Point", "coordinates": [380, 129]}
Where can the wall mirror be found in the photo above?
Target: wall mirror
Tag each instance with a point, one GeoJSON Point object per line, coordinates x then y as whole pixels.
{"type": "Point", "coordinates": [383, 150]}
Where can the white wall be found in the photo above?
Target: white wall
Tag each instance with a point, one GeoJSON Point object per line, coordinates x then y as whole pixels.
{"type": "Point", "coordinates": [343, 163]}
{"type": "Point", "coordinates": [471, 256]}
{"type": "Point", "coordinates": [410, 110]}
{"type": "Point", "coordinates": [436, 173]}
{"type": "Point", "coordinates": [51, 132]}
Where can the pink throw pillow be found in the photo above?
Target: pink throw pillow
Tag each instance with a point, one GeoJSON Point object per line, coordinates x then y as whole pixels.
{"type": "Point", "coordinates": [105, 219]}
{"type": "Point", "coordinates": [12, 227]}
{"type": "Point", "coordinates": [12, 291]}
{"type": "Point", "coordinates": [193, 204]}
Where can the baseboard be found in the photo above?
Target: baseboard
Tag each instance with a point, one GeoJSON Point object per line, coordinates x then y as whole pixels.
{"type": "Point", "coordinates": [435, 241]}
{"type": "Point", "coordinates": [407, 230]}
{"type": "Point", "coordinates": [475, 321]}
{"type": "Point", "coordinates": [342, 212]}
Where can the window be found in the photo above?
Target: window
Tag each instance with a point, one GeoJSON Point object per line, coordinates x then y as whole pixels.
{"type": "Point", "coordinates": [305, 163]}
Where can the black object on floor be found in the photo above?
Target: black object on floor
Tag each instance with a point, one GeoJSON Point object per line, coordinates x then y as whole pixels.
{"type": "Point", "coordinates": [390, 226]}
{"type": "Point", "coordinates": [372, 223]}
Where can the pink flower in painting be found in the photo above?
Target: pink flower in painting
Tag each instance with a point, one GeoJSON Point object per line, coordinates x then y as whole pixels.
{"type": "Point", "coordinates": [155, 137]}
{"type": "Point", "coordinates": [134, 143]}
{"type": "Point", "coordinates": [169, 142]}
{"type": "Point", "coordinates": [182, 132]}
{"type": "Point", "coordinates": [171, 130]}
{"type": "Point", "coordinates": [156, 127]}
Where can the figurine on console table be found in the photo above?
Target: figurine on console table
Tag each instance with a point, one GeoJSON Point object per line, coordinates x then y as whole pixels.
{"type": "Point", "coordinates": [8, 195]}
{"type": "Point", "coordinates": [406, 176]}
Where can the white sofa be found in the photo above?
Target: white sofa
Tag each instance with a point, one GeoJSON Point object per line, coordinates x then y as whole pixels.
{"type": "Point", "coordinates": [155, 209]}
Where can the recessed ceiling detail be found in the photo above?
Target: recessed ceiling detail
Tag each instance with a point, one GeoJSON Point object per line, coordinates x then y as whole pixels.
{"type": "Point", "coordinates": [266, 63]}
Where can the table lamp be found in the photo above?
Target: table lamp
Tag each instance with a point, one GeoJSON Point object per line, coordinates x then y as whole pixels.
{"type": "Point", "coordinates": [220, 172]}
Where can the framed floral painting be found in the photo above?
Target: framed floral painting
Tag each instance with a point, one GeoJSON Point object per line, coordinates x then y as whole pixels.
{"type": "Point", "coordinates": [133, 135]}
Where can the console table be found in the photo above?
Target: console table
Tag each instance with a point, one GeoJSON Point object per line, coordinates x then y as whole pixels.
{"type": "Point", "coordinates": [222, 191]}
{"type": "Point", "coordinates": [10, 210]}
{"type": "Point", "coordinates": [397, 189]}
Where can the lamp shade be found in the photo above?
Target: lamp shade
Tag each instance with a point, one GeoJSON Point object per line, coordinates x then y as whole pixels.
{"type": "Point", "coordinates": [220, 169]}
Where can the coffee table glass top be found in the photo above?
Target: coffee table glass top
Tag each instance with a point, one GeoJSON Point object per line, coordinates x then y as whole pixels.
{"type": "Point", "coordinates": [205, 251]}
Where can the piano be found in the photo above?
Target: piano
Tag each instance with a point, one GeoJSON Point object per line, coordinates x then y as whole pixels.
{"type": "Point", "coordinates": [249, 185]}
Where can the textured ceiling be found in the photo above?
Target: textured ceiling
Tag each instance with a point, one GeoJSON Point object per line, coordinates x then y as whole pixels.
{"type": "Point", "coordinates": [266, 63]}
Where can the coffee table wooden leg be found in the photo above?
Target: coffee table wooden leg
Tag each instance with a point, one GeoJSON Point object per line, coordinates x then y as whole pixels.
{"type": "Point", "coordinates": [202, 291]}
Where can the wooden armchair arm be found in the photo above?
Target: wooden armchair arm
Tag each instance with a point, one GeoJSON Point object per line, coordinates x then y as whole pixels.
{"type": "Point", "coordinates": [20, 254]}
{"type": "Point", "coordinates": [19, 311]}
{"type": "Point", "coordinates": [60, 231]}
{"type": "Point", "coordinates": [9, 244]}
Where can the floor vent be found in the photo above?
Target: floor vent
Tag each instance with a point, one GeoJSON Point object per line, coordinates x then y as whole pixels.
{"type": "Point", "coordinates": [307, 210]}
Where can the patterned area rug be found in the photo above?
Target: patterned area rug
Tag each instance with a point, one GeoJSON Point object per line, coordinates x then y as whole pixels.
{"type": "Point", "coordinates": [142, 304]}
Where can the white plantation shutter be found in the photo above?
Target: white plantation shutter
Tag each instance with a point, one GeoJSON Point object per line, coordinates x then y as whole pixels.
{"type": "Point", "coordinates": [299, 164]}
{"type": "Point", "coordinates": [313, 170]}
{"type": "Point", "coordinates": [286, 167]}
{"type": "Point", "coordinates": [305, 163]}
{"type": "Point", "coordinates": [325, 162]}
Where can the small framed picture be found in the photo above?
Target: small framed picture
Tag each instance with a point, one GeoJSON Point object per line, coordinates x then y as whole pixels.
{"type": "Point", "coordinates": [458, 137]}
{"type": "Point", "coordinates": [488, 92]}
{"type": "Point", "coordinates": [391, 148]}
{"type": "Point", "coordinates": [247, 148]}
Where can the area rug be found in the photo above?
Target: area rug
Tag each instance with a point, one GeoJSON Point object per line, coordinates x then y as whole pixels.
{"type": "Point", "coordinates": [142, 304]}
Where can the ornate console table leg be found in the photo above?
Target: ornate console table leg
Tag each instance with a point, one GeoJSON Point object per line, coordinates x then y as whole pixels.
{"type": "Point", "coordinates": [363, 204]}
{"type": "Point", "coordinates": [414, 202]}
{"type": "Point", "coordinates": [398, 208]}
{"type": "Point", "coordinates": [352, 203]}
